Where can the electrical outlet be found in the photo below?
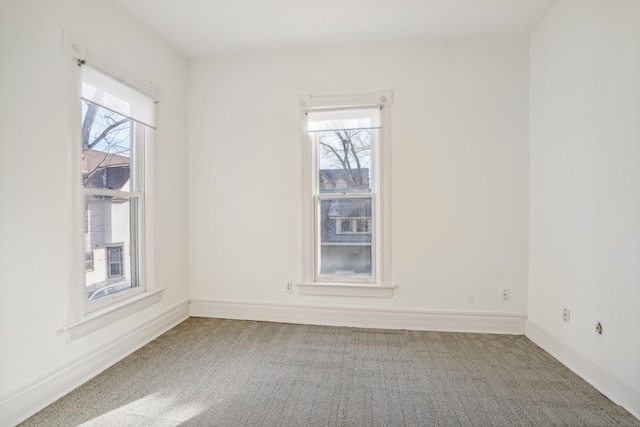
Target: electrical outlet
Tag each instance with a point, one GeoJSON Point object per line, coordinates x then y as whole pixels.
{"type": "Point", "coordinates": [287, 287]}
{"type": "Point", "coordinates": [565, 314]}
{"type": "Point", "coordinates": [504, 294]}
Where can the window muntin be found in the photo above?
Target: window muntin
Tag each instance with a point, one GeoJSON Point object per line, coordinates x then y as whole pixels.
{"type": "Point", "coordinates": [113, 188]}
{"type": "Point", "coordinates": [344, 142]}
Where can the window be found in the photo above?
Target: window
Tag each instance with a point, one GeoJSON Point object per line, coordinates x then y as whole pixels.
{"type": "Point", "coordinates": [353, 225]}
{"type": "Point", "coordinates": [346, 189]}
{"type": "Point", "coordinates": [88, 261]}
{"type": "Point", "coordinates": [112, 118]}
{"type": "Point", "coordinates": [114, 265]}
{"type": "Point", "coordinates": [345, 143]}
{"type": "Point", "coordinates": [114, 135]}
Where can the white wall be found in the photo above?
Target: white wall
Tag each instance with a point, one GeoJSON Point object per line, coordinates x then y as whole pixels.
{"type": "Point", "coordinates": [585, 191]}
{"type": "Point", "coordinates": [459, 181]}
{"type": "Point", "coordinates": [34, 164]}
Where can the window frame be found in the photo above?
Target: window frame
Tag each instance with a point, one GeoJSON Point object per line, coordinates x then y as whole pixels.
{"type": "Point", "coordinates": [379, 284]}
{"type": "Point", "coordinates": [84, 318]}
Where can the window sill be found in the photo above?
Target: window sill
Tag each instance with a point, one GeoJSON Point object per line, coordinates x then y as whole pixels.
{"type": "Point", "coordinates": [110, 314]}
{"type": "Point", "coordinates": [345, 290]}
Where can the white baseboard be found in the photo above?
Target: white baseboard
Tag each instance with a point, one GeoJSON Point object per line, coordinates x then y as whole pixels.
{"type": "Point", "coordinates": [421, 320]}
{"type": "Point", "coordinates": [618, 390]}
{"type": "Point", "coordinates": [21, 404]}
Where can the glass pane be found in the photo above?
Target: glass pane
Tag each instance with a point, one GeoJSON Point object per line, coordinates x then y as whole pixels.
{"type": "Point", "coordinates": [106, 148]}
{"type": "Point", "coordinates": [344, 250]}
{"type": "Point", "coordinates": [109, 235]}
{"type": "Point", "coordinates": [344, 161]}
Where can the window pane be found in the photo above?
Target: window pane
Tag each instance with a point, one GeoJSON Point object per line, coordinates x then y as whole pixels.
{"type": "Point", "coordinates": [344, 161]}
{"type": "Point", "coordinates": [109, 236]}
{"type": "Point", "coordinates": [106, 148]}
{"type": "Point", "coordinates": [362, 225]}
{"type": "Point", "coordinates": [343, 250]}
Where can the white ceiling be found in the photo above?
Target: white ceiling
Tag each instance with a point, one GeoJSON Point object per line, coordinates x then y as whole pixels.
{"type": "Point", "coordinates": [204, 28]}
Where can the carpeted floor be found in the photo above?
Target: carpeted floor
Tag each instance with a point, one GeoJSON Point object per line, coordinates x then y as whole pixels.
{"type": "Point", "coordinates": [210, 372]}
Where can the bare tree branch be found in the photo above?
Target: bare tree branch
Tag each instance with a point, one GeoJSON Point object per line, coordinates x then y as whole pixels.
{"type": "Point", "coordinates": [105, 132]}
{"type": "Point", "coordinates": [334, 152]}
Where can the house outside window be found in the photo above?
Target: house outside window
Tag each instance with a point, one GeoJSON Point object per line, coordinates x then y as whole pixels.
{"type": "Point", "coordinates": [346, 193]}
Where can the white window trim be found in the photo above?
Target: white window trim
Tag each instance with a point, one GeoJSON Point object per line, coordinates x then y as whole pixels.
{"type": "Point", "coordinates": [381, 285]}
{"type": "Point", "coordinates": [81, 321]}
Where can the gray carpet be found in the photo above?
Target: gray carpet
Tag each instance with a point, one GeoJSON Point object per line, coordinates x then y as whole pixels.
{"type": "Point", "coordinates": [210, 372]}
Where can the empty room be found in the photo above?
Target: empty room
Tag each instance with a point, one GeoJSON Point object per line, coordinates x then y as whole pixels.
{"type": "Point", "coordinates": [322, 213]}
